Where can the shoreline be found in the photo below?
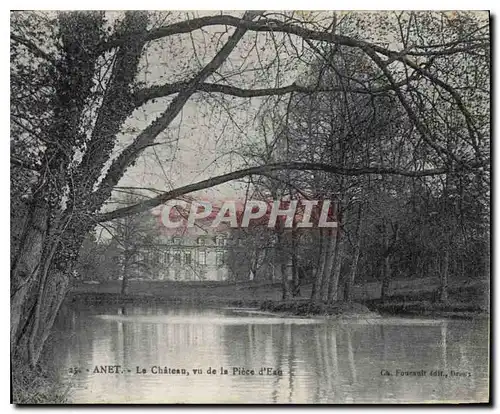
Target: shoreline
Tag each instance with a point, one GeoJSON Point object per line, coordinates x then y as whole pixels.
{"type": "Point", "coordinates": [294, 307]}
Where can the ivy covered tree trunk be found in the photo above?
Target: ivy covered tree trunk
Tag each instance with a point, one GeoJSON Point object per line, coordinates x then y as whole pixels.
{"type": "Point", "coordinates": [26, 266]}
{"type": "Point", "coordinates": [47, 292]}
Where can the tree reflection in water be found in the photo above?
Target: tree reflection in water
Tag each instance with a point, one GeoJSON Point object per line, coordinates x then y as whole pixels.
{"type": "Point", "coordinates": [323, 362]}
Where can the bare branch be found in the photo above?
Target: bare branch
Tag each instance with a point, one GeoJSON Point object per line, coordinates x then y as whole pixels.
{"type": "Point", "coordinates": [269, 25]}
{"type": "Point", "coordinates": [261, 170]}
{"type": "Point", "coordinates": [21, 164]}
{"type": "Point", "coordinates": [34, 49]}
{"type": "Point", "coordinates": [146, 94]}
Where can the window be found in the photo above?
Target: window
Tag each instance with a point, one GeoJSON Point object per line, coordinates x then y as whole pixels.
{"type": "Point", "coordinates": [220, 258]}
{"type": "Point", "coordinates": [221, 241]}
{"type": "Point", "coordinates": [177, 257]}
{"type": "Point", "coordinates": [155, 257]}
{"type": "Point", "coordinates": [166, 258]}
{"type": "Point", "coordinates": [202, 258]}
{"type": "Point", "coordinates": [187, 258]}
{"type": "Point", "coordinates": [201, 241]}
{"type": "Point", "coordinates": [177, 240]}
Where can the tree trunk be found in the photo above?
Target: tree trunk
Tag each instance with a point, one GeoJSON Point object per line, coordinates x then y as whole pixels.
{"type": "Point", "coordinates": [51, 297]}
{"type": "Point", "coordinates": [389, 247]}
{"type": "Point", "coordinates": [333, 275]}
{"type": "Point", "coordinates": [443, 288]}
{"type": "Point", "coordinates": [282, 258]}
{"type": "Point", "coordinates": [254, 266]}
{"type": "Point", "coordinates": [348, 292]}
{"type": "Point", "coordinates": [27, 265]}
{"type": "Point", "coordinates": [42, 304]}
{"type": "Point", "coordinates": [316, 288]}
{"type": "Point", "coordinates": [386, 279]}
{"type": "Point", "coordinates": [329, 261]}
{"type": "Point", "coordinates": [276, 266]}
{"type": "Point", "coordinates": [124, 289]}
{"type": "Point", "coordinates": [284, 281]}
{"type": "Point", "coordinates": [333, 282]}
{"type": "Point", "coordinates": [295, 266]}
{"type": "Point", "coordinates": [387, 265]}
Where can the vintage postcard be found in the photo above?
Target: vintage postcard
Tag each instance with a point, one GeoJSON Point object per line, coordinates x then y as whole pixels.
{"type": "Point", "coordinates": [273, 207]}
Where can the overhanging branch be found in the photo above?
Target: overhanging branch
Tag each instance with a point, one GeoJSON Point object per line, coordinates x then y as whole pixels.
{"type": "Point", "coordinates": [276, 26]}
{"type": "Point", "coordinates": [261, 170]}
{"type": "Point", "coordinates": [159, 91]}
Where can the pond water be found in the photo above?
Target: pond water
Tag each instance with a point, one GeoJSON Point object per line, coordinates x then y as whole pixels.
{"type": "Point", "coordinates": [164, 354]}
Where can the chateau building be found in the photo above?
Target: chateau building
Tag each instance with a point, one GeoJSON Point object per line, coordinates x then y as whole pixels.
{"type": "Point", "coordinates": [191, 257]}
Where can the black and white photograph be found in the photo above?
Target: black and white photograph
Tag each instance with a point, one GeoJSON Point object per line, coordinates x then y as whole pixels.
{"type": "Point", "coordinates": [250, 207]}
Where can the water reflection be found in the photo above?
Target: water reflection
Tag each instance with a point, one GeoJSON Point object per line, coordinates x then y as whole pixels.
{"type": "Point", "coordinates": [320, 362]}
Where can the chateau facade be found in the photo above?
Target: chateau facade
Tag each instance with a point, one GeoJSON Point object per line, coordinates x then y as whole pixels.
{"type": "Point", "coordinates": [191, 257]}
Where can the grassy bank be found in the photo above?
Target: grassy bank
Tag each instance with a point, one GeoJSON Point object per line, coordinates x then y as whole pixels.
{"type": "Point", "coordinates": [464, 301]}
{"type": "Point", "coordinates": [41, 385]}
{"type": "Point", "coordinates": [413, 307]}
{"type": "Point", "coordinates": [306, 308]}
{"type": "Point", "coordinates": [207, 293]}
{"type": "Point", "coordinates": [37, 386]}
